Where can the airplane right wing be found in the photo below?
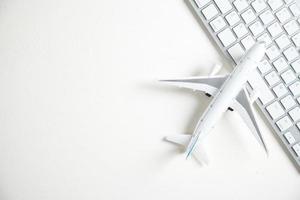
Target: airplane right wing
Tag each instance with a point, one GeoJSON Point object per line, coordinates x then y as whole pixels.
{"type": "Point", "coordinates": [207, 84]}
{"type": "Point", "coordinates": [244, 107]}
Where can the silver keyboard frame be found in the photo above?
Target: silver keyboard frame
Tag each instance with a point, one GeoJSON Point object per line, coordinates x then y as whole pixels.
{"type": "Point", "coordinates": [294, 130]}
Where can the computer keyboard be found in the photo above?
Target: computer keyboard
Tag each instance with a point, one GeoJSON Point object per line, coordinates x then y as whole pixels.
{"type": "Point", "coordinates": [235, 25]}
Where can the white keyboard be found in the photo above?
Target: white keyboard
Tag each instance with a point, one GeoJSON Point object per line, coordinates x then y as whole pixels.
{"type": "Point", "coordinates": [235, 25]}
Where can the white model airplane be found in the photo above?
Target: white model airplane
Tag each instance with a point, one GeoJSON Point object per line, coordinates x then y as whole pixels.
{"type": "Point", "coordinates": [229, 92]}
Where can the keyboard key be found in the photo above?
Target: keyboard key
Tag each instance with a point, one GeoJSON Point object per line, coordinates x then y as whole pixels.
{"type": "Point", "coordinates": [240, 4]}
{"type": "Point", "coordinates": [295, 10]}
{"type": "Point", "coordinates": [272, 78]}
{"type": "Point", "coordinates": [284, 123]}
{"type": "Point", "coordinates": [296, 39]}
{"type": "Point", "coordinates": [201, 3]}
{"type": "Point", "coordinates": [295, 114]}
{"type": "Point", "coordinates": [265, 38]}
{"type": "Point", "coordinates": [280, 90]}
{"type": "Point", "coordinates": [288, 102]}
{"type": "Point", "coordinates": [280, 64]}
{"type": "Point", "coordinates": [272, 52]}
{"type": "Point", "coordinates": [283, 15]}
{"type": "Point", "coordinates": [275, 29]}
{"type": "Point", "coordinates": [232, 18]}
{"type": "Point", "coordinates": [240, 30]}
{"type": "Point", "coordinates": [248, 42]}
{"type": "Point", "coordinates": [275, 110]}
{"type": "Point", "coordinates": [296, 148]}
{"type": "Point", "coordinates": [291, 53]}
{"type": "Point", "coordinates": [236, 52]}
{"type": "Point", "coordinates": [283, 41]}
{"type": "Point", "coordinates": [248, 16]}
{"type": "Point", "coordinates": [218, 23]}
{"type": "Point", "coordinates": [275, 4]}
{"type": "Point", "coordinates": [264, 66]}
{"type": "Point", "coordinates": [288, 76]}
{"type": "Point", "coordinates": [210, 11]}
{"type": "Point", "coordinates": [259, 5]}
{"type": "Point", "coordinates": [223, 5]}
{"type": "Point", "coordinates": [295, 88]}
{"type": "Point", "coordinates": [289, 138]}
{"type": "Point", "coordinates": [288, 1]}
{"type": "Point", "coordinates": [256, 28]}
{"type": "Point", "coordinates": [226, 37]}
{"type": "Point", "coordinates": [296, 66]}
{"type": "Point", "coordinates": [291, 27]}
{"type": "Point", "coordinates": [257, 83]}
{"type": "Point", "coordinates": [267, 17]}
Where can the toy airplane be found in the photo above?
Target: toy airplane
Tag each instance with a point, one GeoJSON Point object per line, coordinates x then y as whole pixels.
{"type": "Point", "coordinates": [229, 92]}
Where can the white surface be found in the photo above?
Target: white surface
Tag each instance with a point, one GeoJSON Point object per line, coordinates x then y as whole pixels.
{"type": "Point", "coordinates": [82, 116]}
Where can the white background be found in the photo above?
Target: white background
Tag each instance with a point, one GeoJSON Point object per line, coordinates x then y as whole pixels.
{"type": "Point", "coordinates": [82, 115]}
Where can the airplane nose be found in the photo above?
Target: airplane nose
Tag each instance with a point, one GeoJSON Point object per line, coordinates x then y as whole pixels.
{"type": "Point", "coordinates": [257, 51]}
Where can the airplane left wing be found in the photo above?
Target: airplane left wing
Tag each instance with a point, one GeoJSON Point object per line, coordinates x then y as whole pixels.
{"type": "Point", "coordinates": [207, 84]}
{"type": "Point", "coordinates": [244, 107]}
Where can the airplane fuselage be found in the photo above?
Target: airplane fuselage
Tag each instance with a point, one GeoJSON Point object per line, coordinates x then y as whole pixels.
{"type": "Point", "coordinates": [222, 100]}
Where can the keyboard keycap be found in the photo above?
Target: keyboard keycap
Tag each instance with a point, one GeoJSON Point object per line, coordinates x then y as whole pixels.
{"type": "Point", "coordinates": [259, 5]}
{"type": "Point", "coordinates": [232, 18]}
{"type": "Point", "coordinates": [267, 17]}
{"type": "Point", "coordinates": [265, 38]}
{"type": "Point", "coordinates": [223, 5]}
{"type": "Point", "coordinates": [295, 10]}
{"type": "Point", "coordinates": [240, 30]}
{"type": "Point", "coordinates": [284, 123]}
{"type": "Point", "coordinates": [288, 102]}
{"type": "Point", "coordinates": [295, 88]}
{"type": "Point", "coordinates": [264, 66]}
{"type": "Point", "coordinates": [256, 28]}
{"type": "Point", "coordinates": [272, 78]}
{"type": "Point", "coordinates": [210, 11]}
{"type": "Point", "coordinates": [240, 4]}
{"type": "Point", "coordinates": [275, 110]}
{"type": "Point", "coordinates": [296, 66]}
{"type": "Point", "coordinates": [288, 76]}
{"type": "Point", "coordinates": [296, 148]}
{"type": "Point", "coordinates": [272, 52]}
{"type": "Point", "coordinates": [280, 64]}
{"type": "Point", "coordinates": [289, 138]}
{"type": "Point", "coordinates": [296, 39]}
{"type": "Point", "coordinates": [248, 42]}
{"type": "Point", "coordinates": [217, 24]}
{"type": "Point", "coordinates": [275, 29]}
{"type": "Point", "coordinates": [295, 114]}
{"type": "Point", "coordinates": [280, 90]}
{"type": "Point", "coordinates": [236, 52]}
{"type": "Point", "coordinates": [291, 53]}
{"type": "Point", "coordinates": [226, 37]}
{"type": "Point", "coordinates": [248, 16]}
{"type": "Point", "coordinates": [275, 4]}
{"type": "Point", "coordinates": [201, 3]}
{"type": "Point", "coordinates": [283, 15]}
{"type": "Point", "coordinates": [283, 41]}
{"type": "Point", "coordinates": [291, 27]}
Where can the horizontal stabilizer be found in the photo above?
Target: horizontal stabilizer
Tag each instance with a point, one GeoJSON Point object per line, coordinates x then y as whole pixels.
{"type": "Point", "coordinates": [200, 155]}
{"type": "Point", "coordinates": [180, 139]}
{"type": "Point", "coordinates": [183, 140]}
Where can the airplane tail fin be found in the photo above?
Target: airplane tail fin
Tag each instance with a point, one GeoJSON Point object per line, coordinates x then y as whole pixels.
{"type": "Point", "coordinates": [183, 140]}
